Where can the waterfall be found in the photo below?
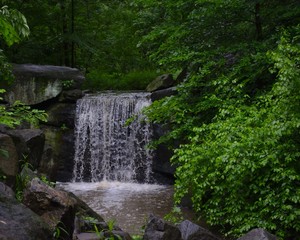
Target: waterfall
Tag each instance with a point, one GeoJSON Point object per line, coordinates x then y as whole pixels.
{"type": "Point", "coordinates": [106, 148]}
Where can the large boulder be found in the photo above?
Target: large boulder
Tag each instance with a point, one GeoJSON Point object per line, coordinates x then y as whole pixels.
{"type": "Point", "coordinates": [59, 160]}
{"type": "Point", "coordinates": [191, 231]}
{"type": "Point", "coordinates": [61, 115]}
{"type": "Point", "coordinates": [159, 94]}
{"type": "Point", "coordinates": [161, 82]}
{"type": "Point", "coordinates": [8, 158]}
{"type": "Point", "coordinates": [38, 83]}
{"type": "Point", "coordinates": [71, 96]}
{"type": "Point", "coordinates": [34, 140]}
{"type": "Point", "coordinates": [158, 229]}
{"type": "Point", "coordinates": [53, 206]}
{"type": "Point", "coordinates": [258, 234]}
{"type": "Point", "coordinates": [18, 222]}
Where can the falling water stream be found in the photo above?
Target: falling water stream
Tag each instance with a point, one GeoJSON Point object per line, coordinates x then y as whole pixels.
{"type": "Point", "coordinates": [112, 171]}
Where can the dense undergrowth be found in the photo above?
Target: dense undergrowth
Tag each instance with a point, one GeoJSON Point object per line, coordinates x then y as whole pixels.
{"type": "Point", "coordinates": [236, 116]}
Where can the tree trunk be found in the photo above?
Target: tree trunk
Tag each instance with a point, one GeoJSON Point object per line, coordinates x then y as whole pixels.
{"type": "Point", "coordinates": [65, 43]}
{"type": "Point", "coordinates": [258, 23]}
{"type": "Point", "coordinates": [72, 31]}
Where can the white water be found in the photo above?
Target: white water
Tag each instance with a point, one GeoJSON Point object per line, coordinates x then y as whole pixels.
{"type": "Point", "coordinates": [110, 158]}
{"type": "Point", "coordinates": [107, 149]}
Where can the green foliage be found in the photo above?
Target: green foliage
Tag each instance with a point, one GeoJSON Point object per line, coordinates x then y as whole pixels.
{"type": "Point", "coordinates": [137, 80]}
{"type": "Point", "coordinates": [17, 113]}
{"type": "Point", "coordinates": [60, 230]}
{"type": "Point", "coordinates": [175, 216]}
{"type": "Point", "coordinates": [239, 131]}
{"type": "Point", "coordinates": [13, 27]}
{"type": "Point", "coordinates": [22, 179]}
{"type": "Point", "coordinates": [45, 180]}
{"type": "Point", "coordinates": [137, 237]}
{"type": "Point", "coordinates": [104, 234]}
{"type": "Point", "coordinates": [67, 84]}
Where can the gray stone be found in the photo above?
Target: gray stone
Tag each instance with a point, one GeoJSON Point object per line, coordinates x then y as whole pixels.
{"type": "Point", "coordinates": [159, 94]}
{"type": "Point", "coordinates": [61, 142]}
{"type": "Point", "coordinates": [161, 82]}
{"type": "Point", "coordinates": [158, 229]}
{"type": "Point", "coordinates": [191, 231]}
{"type": "Point", "coordinates": [34, 140]}
{"type": "Point", "coordinates": [61, 115]}
{"type": "Point", "coordinates": [48, 166]}
{"type": "Point", "coordinates": [258, 234]}
{"type": "Point", "coordinates": [8, 158]}
{"type": "Point", "coordinates": [55, 207]}
{"type": "Point", "coordinates": [71, 96]}
{"type": "Point", "coordinates": [18, 222]}
{"type": "Point", "coordinates": [38, 83]}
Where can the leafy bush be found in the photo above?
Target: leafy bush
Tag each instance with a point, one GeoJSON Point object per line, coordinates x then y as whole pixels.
{"type": "Point", "coordinates": [239, 152]}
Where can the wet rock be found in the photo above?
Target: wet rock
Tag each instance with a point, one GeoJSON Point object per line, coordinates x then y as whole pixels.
{"type": "Point", "coordinates": [61, 115]}
{"type": "Point", "coordinates": [159, 94]}
{"type": "Point", "coordinates": [161, 82]}
{"type": "Point", "coordinates": [53, 206]}
{"type": "Point", "coordinates": [18, 222]}
{"type": "Point", "coordinates": [191, 231]}
{"type": "Point", "coordinates": [8, 158]}
{"type": "Point", "coordinates": [38, 83]}
{"type": "Point", "coordinates": [71, 96]}
{"type": "Point", "coordinates": [258, 234]}
{"type": "Point", "coordinates": [48, 166]}
{"type": "Point", "coordinates": [34, 140]}
{"type": "Point", "coordinates": [158, 229]}
{"type": "Point", "coordinates": [61, 162]}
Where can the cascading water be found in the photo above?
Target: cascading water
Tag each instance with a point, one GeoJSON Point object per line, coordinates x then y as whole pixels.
{"type": "Point", "coordinates": [106, 148]}
{"type": "Point", "coordinates": [111, 160]}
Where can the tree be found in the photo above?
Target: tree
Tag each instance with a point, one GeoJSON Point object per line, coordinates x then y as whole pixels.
{"type": "Point", "coordinates": [13, 27]}
{"type": "Point", "coordinates": [236, 122]}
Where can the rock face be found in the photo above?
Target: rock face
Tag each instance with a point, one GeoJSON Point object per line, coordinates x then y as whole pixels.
{"type": "Point", "coordinates": [8, 158]}
{"type": "Point", "coordinates": [36, 83]}
{"type": "Point", "coordinates": [258, 234]}
{"type": "Point", "coordinates": [159, 94]}
{"type": "Point", "coordinates": [34, 140]}
{"type": "Point", "coordinates": [161, 82]}
{"type": "Point", "coordinates": [61, 115]}
{"type": "Point", "coordinates": [53, 206]}
{"type": "Point", "coordinates": [54, 89]}
{"type": "Point", "coordinates": [158, 229]}
{"type": "Point", "coordinates": [18, 222]}
{"type": "Point", "coordinates": [191, 231]}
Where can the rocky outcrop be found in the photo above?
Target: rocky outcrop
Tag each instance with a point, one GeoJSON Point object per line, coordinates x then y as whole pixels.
{"type": "Point", "coordinates": [61, 115]}
{"type": "Point", "coordinates": [54, 89]}
{"type": "Point", "coordinates": [38, 83]}
{"type": "Point", "coordinates": [9, 162]}
{"type": "Point", "coordinates": [30, 143]}
{"type": "Point", "coordinates": [159, 94]}
{"type": "Point", "coordinates": [18, 222]}
{"type": "Point", "coordinates": [258, 234]}
{"type": "Point", "coordinates": [53, 206]}
{"type": "Point", "coordinates": [161, 82]}
{"type": "Point", "coordinates": [158, 229]}
{"type": "Point", "coordinates": [191, 231]}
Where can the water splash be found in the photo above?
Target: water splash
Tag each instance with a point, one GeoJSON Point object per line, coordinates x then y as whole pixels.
{"type": "Point", "coordinates": [107, 149]}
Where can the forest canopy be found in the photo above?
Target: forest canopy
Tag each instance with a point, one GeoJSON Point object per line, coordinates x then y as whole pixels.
{"type": "Point", "coordinates": [234, 123]}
